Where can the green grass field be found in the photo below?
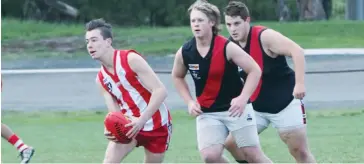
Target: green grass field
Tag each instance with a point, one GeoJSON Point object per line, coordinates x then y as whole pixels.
{"type": "Point", "coordinates": [40, 38]}
{"type": "Point", "coordinates": [77, 137]}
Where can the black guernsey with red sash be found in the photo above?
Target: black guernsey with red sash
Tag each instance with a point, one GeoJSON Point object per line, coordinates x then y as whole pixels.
{"type": "Point", "coordinates": [275, 89]}
{"type": "Point", "coordinates": [217, 80]}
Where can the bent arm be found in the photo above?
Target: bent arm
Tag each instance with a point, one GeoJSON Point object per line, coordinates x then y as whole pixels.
{"type": "Point", "coordinates": [149, 78]}
{"type": "Point", "coordinates": [249, 66]}
{"type": "Point", "coordinates": [274, 40]}
{"type": "Point", "coordinates": [110, 101]}
{"type": "Point", "coordinates": [179, 72]}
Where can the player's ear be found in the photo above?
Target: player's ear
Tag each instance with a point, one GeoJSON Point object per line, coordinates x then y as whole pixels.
{"type": "Point", "coordinates": [212, 23]}
{"type": "Point", "coordinates": [109, 41]}
{"type": "Point", "coordinates": [247, 19]}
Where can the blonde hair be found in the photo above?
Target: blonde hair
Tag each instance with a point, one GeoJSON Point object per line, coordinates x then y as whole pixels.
{"type": "Point", "coordinates": [211, 11]}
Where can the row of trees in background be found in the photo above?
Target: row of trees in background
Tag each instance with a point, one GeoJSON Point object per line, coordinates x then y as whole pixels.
{"type": "Point", "coordinates": [156, 12]}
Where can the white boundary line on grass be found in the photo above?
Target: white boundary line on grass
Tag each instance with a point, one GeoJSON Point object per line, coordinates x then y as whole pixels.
{"type": "Point", "coordinates": [308, 52]}
{"type": "Point", "coordinates": [334, 51]}
{"type": "Point", "coordinates": [42, 71]}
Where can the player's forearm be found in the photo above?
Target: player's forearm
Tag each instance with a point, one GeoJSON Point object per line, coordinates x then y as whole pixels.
{"type": "Point", "coordinates": [156, 100]}
{"type": "Point", "coordinates": [250, 84]}
{"type": "Point", "coordinates": [182, 89]}
{"type": "Point", "coordinates": [299, 65]}
{"type": "Point", "coordinates": [112, 105]}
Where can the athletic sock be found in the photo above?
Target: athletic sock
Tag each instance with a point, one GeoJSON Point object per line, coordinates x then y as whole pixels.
{"type": "Point", "coordinates": [17, 143]}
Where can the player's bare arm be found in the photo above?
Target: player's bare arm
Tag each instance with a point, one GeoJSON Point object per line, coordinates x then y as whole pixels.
{"type": "Point", "coordinates": [151, 81]}
{"type": "Point", "coordinates": [247, 63]}
{"type": "Point", "coordinates": [179, 72]}
{"type": "Point", "coordinates": [110, 101]}
{"type": "Point", "coordinates": [111, 105]}
{"type": "Point", "coordinates": [278, 44]}
{"type": "Point", "coordinates": [153, 84]}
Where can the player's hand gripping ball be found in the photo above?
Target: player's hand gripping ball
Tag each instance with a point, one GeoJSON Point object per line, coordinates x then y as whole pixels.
{"type": "Point", "coordinates": [115, 123]}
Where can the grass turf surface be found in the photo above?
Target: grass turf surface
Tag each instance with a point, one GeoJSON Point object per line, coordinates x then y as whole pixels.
{"type": "Point", "coordinates": [45, 39]}
{"type": "Point", "coordinates": [77, 137]}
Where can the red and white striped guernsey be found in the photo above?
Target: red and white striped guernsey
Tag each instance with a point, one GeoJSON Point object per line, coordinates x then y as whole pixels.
{"type": "Point", "coordinates": [132, 96]}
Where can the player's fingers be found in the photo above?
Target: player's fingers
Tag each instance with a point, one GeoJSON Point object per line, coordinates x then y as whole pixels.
{"type": "Point", "coordinates": [231, 112]}
{"type": "Point", "coordinates": [129, 132]}
{"type": "Point", "coordinates": [240, 113]}
{"type": "Point", "coordinates": [234, 112]}
{"type": "Point", "coordinates": [232, 107]}
{"type": "Point", "coordinates": [134, 133]}
{"type": "Point", "coordinates": [190, 112]}
{"type": "Point", "coordinates": [193, 113]}
{"type": "Point", "coordinates": [130, 124]}
{"type": "Point", "coordinates": [111, 138]}
{"type": "Point", "coordinates": [198, 105]}
{"type": "Point", "coordinates": [303, 95]}
{"type": "Point", "coordinates": [237, 113]}
{"type": "Point", "coordinates": [198, 110]}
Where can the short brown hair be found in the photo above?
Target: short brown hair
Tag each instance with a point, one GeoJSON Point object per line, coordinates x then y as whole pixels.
{"type": "Point", "coordinates": [212, 12]}
{"type": "Point", "coordinates": [236, 8]}
{"type": "Point", "coordinates": [105, 28]}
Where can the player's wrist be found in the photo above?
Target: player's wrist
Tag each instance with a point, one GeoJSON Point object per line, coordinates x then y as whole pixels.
{"type": "Point", "coordinates": [191, 101]}
{"type": "Point", "coordinates": [243, 98]}
{"type": "Point", "coordinates": [300, 83]}
{"type": "Point", "coordinates": [143, 119]}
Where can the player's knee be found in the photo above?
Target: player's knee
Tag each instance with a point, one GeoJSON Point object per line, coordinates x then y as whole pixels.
{"type": "Point", "coordinates": [300, 151]}
{"type": "Point", "coordinates": [211, 155]}
{"type": "Point", "coordinates": [211, 158]}
{"type": "Point", "coordinates": [252, 153]}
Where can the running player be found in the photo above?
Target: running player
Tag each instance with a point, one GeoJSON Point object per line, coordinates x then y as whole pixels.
{"type": "Point", "coordinates": [129, 84]}
{"type": "Point", "coordinates": [222, 104]}
{"type": "Point", "coordinates": [278, 97]}
{"type": "Point", "coordinates": [26, 152]}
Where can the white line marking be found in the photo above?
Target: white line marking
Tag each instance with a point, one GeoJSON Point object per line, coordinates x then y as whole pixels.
{"type": "Point", "coordinates": [334, 51]}
{"type": "Point", "coordinates": [41, 71]}
{"type": "Point", "coordinates": [308, 52]}
{"type": "Point", "coordinates": [60, 70]}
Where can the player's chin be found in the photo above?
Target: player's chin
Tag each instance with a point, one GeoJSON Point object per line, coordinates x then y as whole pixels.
{"type": "Point", "coordinates": [237, 37]}
{"type": "Point", "coordinates": [197, 35]}
{"type": "Point", "coordinates": [94, 56]}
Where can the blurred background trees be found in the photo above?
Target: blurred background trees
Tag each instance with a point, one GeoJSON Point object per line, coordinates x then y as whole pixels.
{"type": "Point", "coordinates": [164, 12]}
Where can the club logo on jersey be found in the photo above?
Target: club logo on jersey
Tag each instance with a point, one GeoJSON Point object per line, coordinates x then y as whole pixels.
{"type": "Point", "coordinates": [194, 67]}
{"type": "Point", "coordinates": [195, 75]}
{"type": "Point", "coordinates": [108, 84]}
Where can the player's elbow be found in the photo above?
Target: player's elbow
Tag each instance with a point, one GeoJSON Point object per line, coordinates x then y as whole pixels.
{"type": "Point", "coordinates": [297, 51]}
{"type": "Point", "coordinates": [255, 71]}
{"type": "Point", "coordinates": [164, 92]}
{"type": "Point", "coordinates": [161, 91]}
